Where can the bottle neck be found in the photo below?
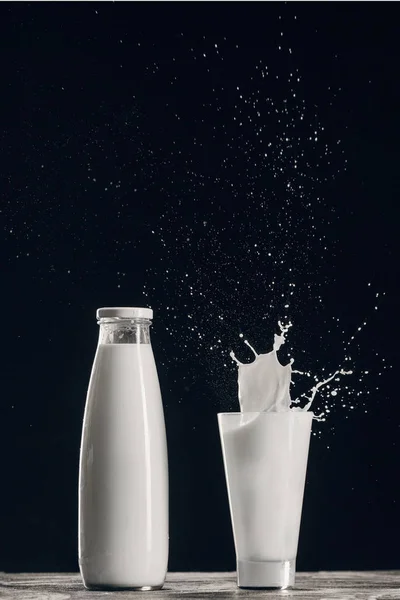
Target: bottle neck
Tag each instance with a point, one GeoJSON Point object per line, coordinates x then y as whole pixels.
{"type": "Point", "coordinates": [117, 330]}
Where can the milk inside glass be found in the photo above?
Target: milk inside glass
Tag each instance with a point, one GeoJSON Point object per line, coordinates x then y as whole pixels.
{"type": "Point", "coordinates": [265, 457]}
{"type": "Point", "coordinates": [123, 483]}
{"type": "Point", "coordinates": [265, 451]}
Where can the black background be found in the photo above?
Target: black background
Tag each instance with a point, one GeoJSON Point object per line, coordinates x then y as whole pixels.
{"type": "Point", "coordinates": [86, 94]}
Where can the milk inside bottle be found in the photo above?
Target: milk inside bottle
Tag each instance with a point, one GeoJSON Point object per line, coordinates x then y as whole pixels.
{"type": "Point", "coordinates": [123, 475]}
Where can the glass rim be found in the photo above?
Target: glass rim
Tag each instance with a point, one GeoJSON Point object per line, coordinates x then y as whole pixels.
{"type": "Point", "coordinates": [282, 412]}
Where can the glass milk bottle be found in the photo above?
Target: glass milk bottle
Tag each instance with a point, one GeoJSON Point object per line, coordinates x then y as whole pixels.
{"type": "Point", "coordinates": [123, 474]}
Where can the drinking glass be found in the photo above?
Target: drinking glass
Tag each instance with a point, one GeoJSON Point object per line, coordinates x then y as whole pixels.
{"type": "Point", "coordinates": [265, 458]}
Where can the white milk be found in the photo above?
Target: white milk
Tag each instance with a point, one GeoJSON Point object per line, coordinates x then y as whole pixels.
{"type": "Point", "coordinates": [265, 457]}
{"type": "Point", "coordinates": [123, 508]}
{"type": "Point", "coordinates": [265, 449]}
{"type": "Point", "coordinates": [264, 384]}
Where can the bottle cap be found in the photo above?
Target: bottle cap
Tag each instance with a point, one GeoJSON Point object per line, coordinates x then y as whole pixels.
{"type": "Point", "coordinates": [125, 312]}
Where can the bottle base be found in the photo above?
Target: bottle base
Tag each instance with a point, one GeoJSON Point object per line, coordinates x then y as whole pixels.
{"type": "Point", "coordinates": [274, 575]}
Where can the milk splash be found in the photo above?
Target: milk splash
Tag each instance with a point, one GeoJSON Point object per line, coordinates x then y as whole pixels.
{"type": "Point", "coordinates": [264, 384]}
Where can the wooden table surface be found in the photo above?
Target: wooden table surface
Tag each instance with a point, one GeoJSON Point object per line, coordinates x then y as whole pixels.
{"type": "Point", "coordinates": [367, 585]}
